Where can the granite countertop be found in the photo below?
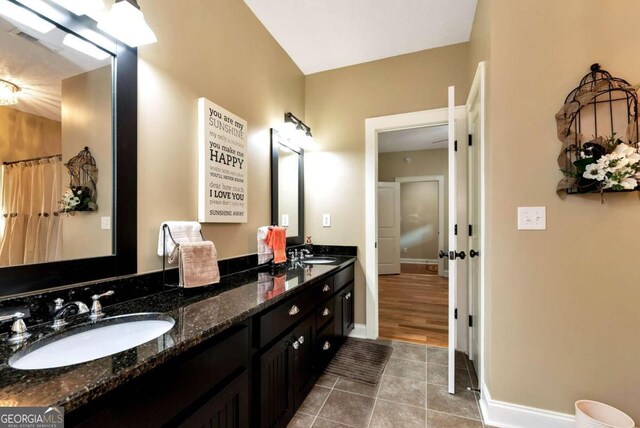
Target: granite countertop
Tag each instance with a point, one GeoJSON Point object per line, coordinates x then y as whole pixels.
{"type": "Point", "coordinates": [199, 314]}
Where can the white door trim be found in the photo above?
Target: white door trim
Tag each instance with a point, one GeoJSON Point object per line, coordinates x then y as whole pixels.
{"type": "Point", "coordinates": [440, 180]}
{"type": "Point", "coordinates": [478, 88]}
{"type": "Point", "coordinates": [373, 126]}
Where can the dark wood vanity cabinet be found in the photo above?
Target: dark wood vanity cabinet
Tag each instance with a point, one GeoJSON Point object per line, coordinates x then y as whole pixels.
{"type": "Point", "coordinates": [255, 373]}
{"type": "Point", "coordinates": [290, 366]}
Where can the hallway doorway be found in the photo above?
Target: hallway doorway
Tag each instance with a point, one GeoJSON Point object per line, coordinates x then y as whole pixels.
{"type": "Point", "coordinates": [412, 219]}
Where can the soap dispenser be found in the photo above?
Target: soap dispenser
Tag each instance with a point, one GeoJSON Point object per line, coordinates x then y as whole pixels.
{"type": "Point", "coordinates": [308, 245]}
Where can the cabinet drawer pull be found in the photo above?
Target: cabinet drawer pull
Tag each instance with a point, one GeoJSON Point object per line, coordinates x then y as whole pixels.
{"type": "Point", "coordinates": [326, 288]}
{"type": "Point", "coordinates": [326, 346]}
{"type": "Point", "coordinates": [348, 296]}
{"type": "Point", "coordinates": [326, 312]}
{"type": "Point", "coordinates": [294, 310]}
{"type": "Point", "coordinates": [301, 339]}
{"type": "Point", "coordinates": [295, 344]}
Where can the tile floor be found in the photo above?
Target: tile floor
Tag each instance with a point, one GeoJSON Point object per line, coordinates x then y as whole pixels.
{"type": "Point", "coordinates": [411, 393]}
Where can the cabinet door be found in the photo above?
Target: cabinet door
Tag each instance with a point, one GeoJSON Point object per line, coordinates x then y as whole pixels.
{"type": "Point", "coordinates": [276, 377]}
{"type": "Point", "coordinates": [303, 359]}
{"type": "Point", "coordinates": [229, 408]}
{"type": "Point", "coordinates": [348, 321]}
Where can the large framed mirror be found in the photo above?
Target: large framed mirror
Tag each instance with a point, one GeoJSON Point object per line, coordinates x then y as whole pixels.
{"type": "Point", "coordinates": [287, 187]}
{"type": "Point", "coordinates": [68, 148]}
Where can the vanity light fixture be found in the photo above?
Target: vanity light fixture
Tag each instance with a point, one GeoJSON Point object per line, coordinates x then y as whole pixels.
{"type": "Point", "coordinates": [26, 17]}
{"type": "Point", "coordinates": [85, 47]}
{"type": "Point", "coordinates": [302, 132]}
{"type": "Point", "coordinates": [126, 23]}
{"type": "Point", "coordinates": [8, 93]}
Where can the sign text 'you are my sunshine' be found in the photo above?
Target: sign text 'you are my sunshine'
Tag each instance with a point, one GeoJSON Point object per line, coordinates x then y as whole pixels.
{"type": "Point", "coordinates": [222, 177]}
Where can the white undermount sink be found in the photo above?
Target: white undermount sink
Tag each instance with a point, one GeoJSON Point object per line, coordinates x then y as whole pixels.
{"type": "Point", "coordinates": [89, 342]}
{"type": "Point", "coordinates": [318, 260]}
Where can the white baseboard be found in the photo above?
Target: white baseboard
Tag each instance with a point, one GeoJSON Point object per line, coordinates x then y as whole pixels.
{"type": "Point", "coordinates": [419, 261]}
{"type": "Point", "coordinates": [359, 331]}
{"type": "Point", "coordinates": [507, 415]}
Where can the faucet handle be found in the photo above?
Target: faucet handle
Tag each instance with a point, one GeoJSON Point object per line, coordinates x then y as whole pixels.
{"type": "Point", "coordinates": [59, 302]}
{"type": "Point", "coordinates": [99, 296]}
{"type": "Point", "coordinates": [96, 307]}
{"type": "Point", "coordinates": [19, 329]}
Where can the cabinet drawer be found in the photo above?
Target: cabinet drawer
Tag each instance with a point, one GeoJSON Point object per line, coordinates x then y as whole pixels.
{"type": "Point", "coordinates": [324, 314]}
{"type": "Point", "coordinates": [283, 316]}
{"type": "Point", "coordinates": [342, 278]}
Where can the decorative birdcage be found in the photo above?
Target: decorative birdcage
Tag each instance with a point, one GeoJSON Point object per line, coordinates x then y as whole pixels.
{"type": "Point", "coordinates": [597, 125]}
{"type": "Point", "coordinates": [82, 194]}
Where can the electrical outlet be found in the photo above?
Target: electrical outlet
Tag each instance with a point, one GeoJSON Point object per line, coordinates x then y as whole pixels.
{"type": "Point", "coordinates": [326, 220]}
{"type": "Point", "coordinates": [532, 218]}
{"type": "Point", "coordinates": [405, 250]}
{"type": "Point", "coordinates": [285, 220]}
{"type": "Point", "coordinates": [105, 223]}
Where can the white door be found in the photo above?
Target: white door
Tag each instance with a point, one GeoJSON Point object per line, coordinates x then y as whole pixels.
{"type": "Point", "coordinates": [388, 228]}
{"type": "Point", "coordinates": [475, 126]}
{"type": "Point", "coordinates": [453, 209]}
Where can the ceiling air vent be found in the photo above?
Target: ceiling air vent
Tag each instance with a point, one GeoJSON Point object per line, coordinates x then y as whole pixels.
{"type": "Point", "coordinates": [19, 33]}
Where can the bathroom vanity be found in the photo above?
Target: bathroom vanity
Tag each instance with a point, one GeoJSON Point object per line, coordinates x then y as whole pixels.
{"type": "Point", "coordinates": [242, 353]}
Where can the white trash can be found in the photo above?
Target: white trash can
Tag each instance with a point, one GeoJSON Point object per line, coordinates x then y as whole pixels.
{"type": "Point", "coordinates": [592, 414]}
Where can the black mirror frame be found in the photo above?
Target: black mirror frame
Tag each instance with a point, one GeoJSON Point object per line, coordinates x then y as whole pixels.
{"type": "Point", "coordinates": [37, 277]}
{"type": "Point", "coordinates": [292, 240]}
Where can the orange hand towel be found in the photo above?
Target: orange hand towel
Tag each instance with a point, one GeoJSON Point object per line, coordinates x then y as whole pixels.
{"type": "Point", "coordinates": [277, 241]}
{"type": "Point", "coordinates": [198, 264]}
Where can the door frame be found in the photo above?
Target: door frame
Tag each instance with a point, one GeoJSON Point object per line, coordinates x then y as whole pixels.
{"type": "Point", "coordinates": [374, 126]}
{"type": "Point", "coordinates": [440, 180]}
{"type": "Point", "coordinates": [478, 89]}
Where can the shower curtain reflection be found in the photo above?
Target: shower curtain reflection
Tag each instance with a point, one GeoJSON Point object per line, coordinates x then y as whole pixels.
{"type": "Point", "coordinates": [31, 229]}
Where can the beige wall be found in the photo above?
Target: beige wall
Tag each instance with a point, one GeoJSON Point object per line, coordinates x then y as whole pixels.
{"type": "Point", "coordinates": [218, 50]}
{"type": "Point", "coordinates": [564, 302]}
{"type": "Point", "coordinates": [26, 136]}
{"type": "Point", "coordinates": [337, 104]}
{"type": "Point", "coordinates": [86, 121]}
{"type": "Point", "coordinates": [423, 162]}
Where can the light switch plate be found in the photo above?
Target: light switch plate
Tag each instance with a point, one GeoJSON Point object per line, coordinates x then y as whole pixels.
{"type": "Point", "coordinates": [326, 220]}
{"type": "Point", "coordinates": [285, 220]}
{"type": "Point", "coordinates": [532, 218]}
{"type": "Point", "coordinates": [105, 223]}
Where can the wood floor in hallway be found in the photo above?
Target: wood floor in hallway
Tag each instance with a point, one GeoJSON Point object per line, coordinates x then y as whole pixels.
{"type": "Point", "coordinates": [414, 308]}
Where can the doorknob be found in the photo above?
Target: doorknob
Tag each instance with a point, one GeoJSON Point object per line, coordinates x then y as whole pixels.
{"type": "Point", "coordinates": [442, 255]}
{"type": "Point", "coordinates": [457, 255]}
{"type": "Point", "coordinates": [474, 253]}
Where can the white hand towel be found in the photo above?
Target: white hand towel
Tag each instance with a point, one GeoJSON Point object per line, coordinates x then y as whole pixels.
{"type": "Point", "coordinates": [265, 253]}
{"type": "Point", "coordinates": [182, 232]}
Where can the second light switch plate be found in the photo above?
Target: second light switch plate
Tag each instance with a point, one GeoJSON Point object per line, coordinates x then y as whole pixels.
{"type": "Point", "coordinates": [532, 218]}
{"type": "Point", "coordinates": [326, 220]}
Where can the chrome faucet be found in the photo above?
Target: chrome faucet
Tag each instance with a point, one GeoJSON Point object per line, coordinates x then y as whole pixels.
{"type": "Point", "coordinates": [96, 307]}
{"type": "Point", "coordinates": [18, 328]}
{"type": "Point", "coordinates": [304, 252]}
{"type": "Point", "coordinates": [61, 311]}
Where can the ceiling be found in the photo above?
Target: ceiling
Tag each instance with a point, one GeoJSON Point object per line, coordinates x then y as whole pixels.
{"type": "Point", "coordinates": [322, 35]}
{"type": "Point", "coordinates": [425, 138]}
{"type": "Point", "coordinates": [39, 66]}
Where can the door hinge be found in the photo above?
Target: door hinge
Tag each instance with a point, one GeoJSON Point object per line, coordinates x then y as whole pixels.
{"type": "Point", "coordinates": [470, 230]}
{"type": "Point", "coordinates": [455, 229]}
{"type": "Point", "coordinates": [455, 313]}
{"type": "Point", "coordinates": [470, 140]}
{"type": "Point", "coordinates": [470, 320]}
{"type": "Point", "coordinates": [455, 146]}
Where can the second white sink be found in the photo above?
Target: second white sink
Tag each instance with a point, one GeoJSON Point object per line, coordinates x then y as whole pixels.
{"type": "Point", "coordinates": [92, 341]}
